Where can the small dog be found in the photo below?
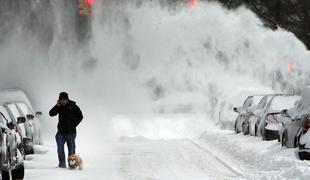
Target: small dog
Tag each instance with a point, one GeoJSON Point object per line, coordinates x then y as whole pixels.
{"type": "Point", "coordinates": [75, 161]}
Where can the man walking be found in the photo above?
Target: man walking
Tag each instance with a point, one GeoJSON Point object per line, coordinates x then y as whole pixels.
{"type": "Point", "coordinates": [69, 117]}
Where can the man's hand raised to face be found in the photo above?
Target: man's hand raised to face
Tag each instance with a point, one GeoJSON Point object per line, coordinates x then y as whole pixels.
{"type": "Point", "coordinates": [58, 103]}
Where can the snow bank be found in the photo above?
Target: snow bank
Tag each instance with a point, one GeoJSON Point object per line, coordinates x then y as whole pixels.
{"type": "Point", "coordinates": [257, 159]}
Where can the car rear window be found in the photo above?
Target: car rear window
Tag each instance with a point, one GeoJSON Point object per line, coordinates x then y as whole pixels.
{"type": "Point", "coordinates": [12, 107]}
{"type": "Point", "coordinates": [24, 108]}
{"type": "Point", "coordinates": [283, 102]}
{"type": "Point", "coordinates": [5, 113]}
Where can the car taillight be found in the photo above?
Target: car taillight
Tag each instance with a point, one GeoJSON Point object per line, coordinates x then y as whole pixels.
{"type": "Point", "coordinates": [90, 2]}
{"type": "Point", "coordinates": [193, 3]}
{"type": "Point", "coordinates": [85, 7]}
{"type": "Point", "coordinates": [270, 118]}
{"type": "Point", "coordinates": [307, 123]}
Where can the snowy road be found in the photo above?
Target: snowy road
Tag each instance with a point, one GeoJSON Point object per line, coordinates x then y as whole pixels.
{"type": "Point", "coordinates": [138, 158]}
{"type": "Point", "coordinates": [169, 159]}
{"type": "Point", "coordinates": [168, 148]}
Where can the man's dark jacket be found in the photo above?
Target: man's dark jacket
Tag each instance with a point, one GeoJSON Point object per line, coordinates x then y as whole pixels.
{"type": "Point", "coordinates": [69, 117]}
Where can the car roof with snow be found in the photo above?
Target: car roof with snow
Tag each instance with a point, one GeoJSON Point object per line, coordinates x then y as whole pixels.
{"type": "Point", "coordinates": [13, 95]}
{"type": "Point", "coordinates": [305, 101]}
{"type": "Point", "coordinates": [278, 103]}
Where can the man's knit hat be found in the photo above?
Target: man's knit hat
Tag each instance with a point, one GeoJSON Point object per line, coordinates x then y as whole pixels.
{"type": "Point", "coordinates": [63, 95]}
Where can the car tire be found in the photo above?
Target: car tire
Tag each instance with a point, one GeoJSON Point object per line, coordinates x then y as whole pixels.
{"type": "Point", "coordinates": [283, 140]}
{"type": "Point", "coordinates": [18, 172]}
{"type": "Point", "coordinates": [29, 150]}
{"type": "Point", "coordinates": [5, 175]}
{"type": "Point", "coordinates": [236, 127]}
{"type": "Point", "coordinates": [300, 156]}
{"type": "Point", "coordinates": [245, 130]}
{"type": "Point", "coordinates": [295, 142]}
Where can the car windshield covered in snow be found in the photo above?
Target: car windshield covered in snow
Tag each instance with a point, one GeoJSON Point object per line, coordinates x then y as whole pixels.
{"type": "Point", "coordinates": [255, 102]}
{"type": "Point", "coordinates": [282, 102]}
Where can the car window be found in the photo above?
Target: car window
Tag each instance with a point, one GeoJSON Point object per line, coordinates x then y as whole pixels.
{"type": "Point", "coordinates": [24, 108]}
{"type": "Point", "coordinates": [5, 113]}
{"type": "Point", "coordinates": [2, 120]}
{"type": "Point", "coordinates": [248, 102]}
{"type": "Point", "coordinates": [262, 103]}
{"type": "Point", "coordinates": [12, 107]}
{"type": "Point", "coordinates": [283, 102]}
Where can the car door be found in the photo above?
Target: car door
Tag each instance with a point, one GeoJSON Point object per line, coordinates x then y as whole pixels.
{"type": "Point", "coordinates": [30, 124]}
{"type": "Point", "coordinates": [14, 113]}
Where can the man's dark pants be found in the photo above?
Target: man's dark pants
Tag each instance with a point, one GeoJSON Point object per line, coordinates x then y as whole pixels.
{"type": "Point", "coordinates": [61, 139]}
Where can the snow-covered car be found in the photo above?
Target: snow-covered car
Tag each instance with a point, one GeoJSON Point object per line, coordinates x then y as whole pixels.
{"type": "Point", "coordinates": [257, 114]}
{"type": "Point", "coordinates": [18, 105]}
{"type": "Point", "coordinates": [292, 124]}
{"type": "Point", "coordinates": [26, 138]}
{"type": "Point", "coordinates": [249, 113]}
{"type": "Point", "coordinates": [12, 165]}
{"type": "Point", "coordinates": [242, 114]}
{"type": "Point", "coordinates": [270, 125]}
{"type": "Point", "coordinates": [224, 104]}
{"type": "Point", "coordinates": [293, 120]}
{"type": "Point", "coordinates": [33, 123]}
{"type": "Point", "coordinates": [304, 139]}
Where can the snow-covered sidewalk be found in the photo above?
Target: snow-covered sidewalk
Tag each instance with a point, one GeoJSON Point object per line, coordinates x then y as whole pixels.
{"type": "Point", "coordinates": [256, 159]}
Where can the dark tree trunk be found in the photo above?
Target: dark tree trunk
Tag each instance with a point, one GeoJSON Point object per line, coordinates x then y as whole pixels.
{"type": "Point", "coordinates": [306, 25]}
{"type": "Point", "coordinates": [278, 12]}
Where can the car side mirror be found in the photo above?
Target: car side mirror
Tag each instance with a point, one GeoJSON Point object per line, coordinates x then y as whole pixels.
{"type": "Point", "coordinates": [284, 113]}
{"type": "Point", "coordinates": [21, 120]}
{"type": "Point", "coordinates": [30, 116]}
{"type": "Point", "coordinates": [39, 113]}
{"type": "Point", "coordinates": [10, 125]}
{"type": "Point", "coordinates": [235, 110]}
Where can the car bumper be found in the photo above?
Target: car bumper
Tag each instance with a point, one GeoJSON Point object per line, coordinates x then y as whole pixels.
{"type": "Point", "coordinates": [304, 154]}
{"type": "Point", "coordinates": [28, 145]}
{"type": "Point", "coordinates": [270, 135]}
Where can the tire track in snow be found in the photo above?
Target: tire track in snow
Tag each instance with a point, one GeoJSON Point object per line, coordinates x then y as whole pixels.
{"type": "Point", "coordinates": [233, 170]}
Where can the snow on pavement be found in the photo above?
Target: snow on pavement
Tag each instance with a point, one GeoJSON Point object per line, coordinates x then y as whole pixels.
{"type": "Point", "coordinates": [256, 159]}
{"type": "Point", "coordinates": [169, 159]}
{"type": "Point", "coordinates": [213, 154]}
{"type": "Point", "coordinates": [135, 158]}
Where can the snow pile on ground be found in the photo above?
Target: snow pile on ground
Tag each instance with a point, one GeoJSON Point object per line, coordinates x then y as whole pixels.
{"type": "Point", "coordinates": [257, 159]}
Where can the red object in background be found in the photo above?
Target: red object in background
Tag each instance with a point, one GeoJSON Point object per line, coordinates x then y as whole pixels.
{"type": "Point", "coordinates": [90, 2]}
{"type": "Point", "coordinates": [194, 3]}
{"type": "Point", "coordinates": [290, 66]}
{"type": "Point", "coordinates": [307, 124]}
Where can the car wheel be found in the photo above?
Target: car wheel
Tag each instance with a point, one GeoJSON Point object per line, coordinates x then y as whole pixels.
{"type": "Point", "coordinates": [5, 175]}
{"type": "Point", "coordinates": [29, 150]}
{"type": "Point", "coordinates": [295, 142]}
{"type": "Point", "coordinates": [18, 172]}
{"type": "Point", "coordinates": [283, 142]}
{"type": "Point", "coordinates": [245, 129]}
{"type": "Point", "coordinates": [236, 127]}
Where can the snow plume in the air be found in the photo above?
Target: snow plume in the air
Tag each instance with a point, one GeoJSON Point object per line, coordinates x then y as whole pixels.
{"type": "Point", "coordinates": [146, 56]}
{"type": "Point", "coordinates": [183, 57]}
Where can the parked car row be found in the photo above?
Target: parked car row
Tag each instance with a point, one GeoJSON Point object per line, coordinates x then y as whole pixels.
{"type": "Point", "coordinates": [277, 116]}
{"type": "Point", "coordinates": [20, 131]}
